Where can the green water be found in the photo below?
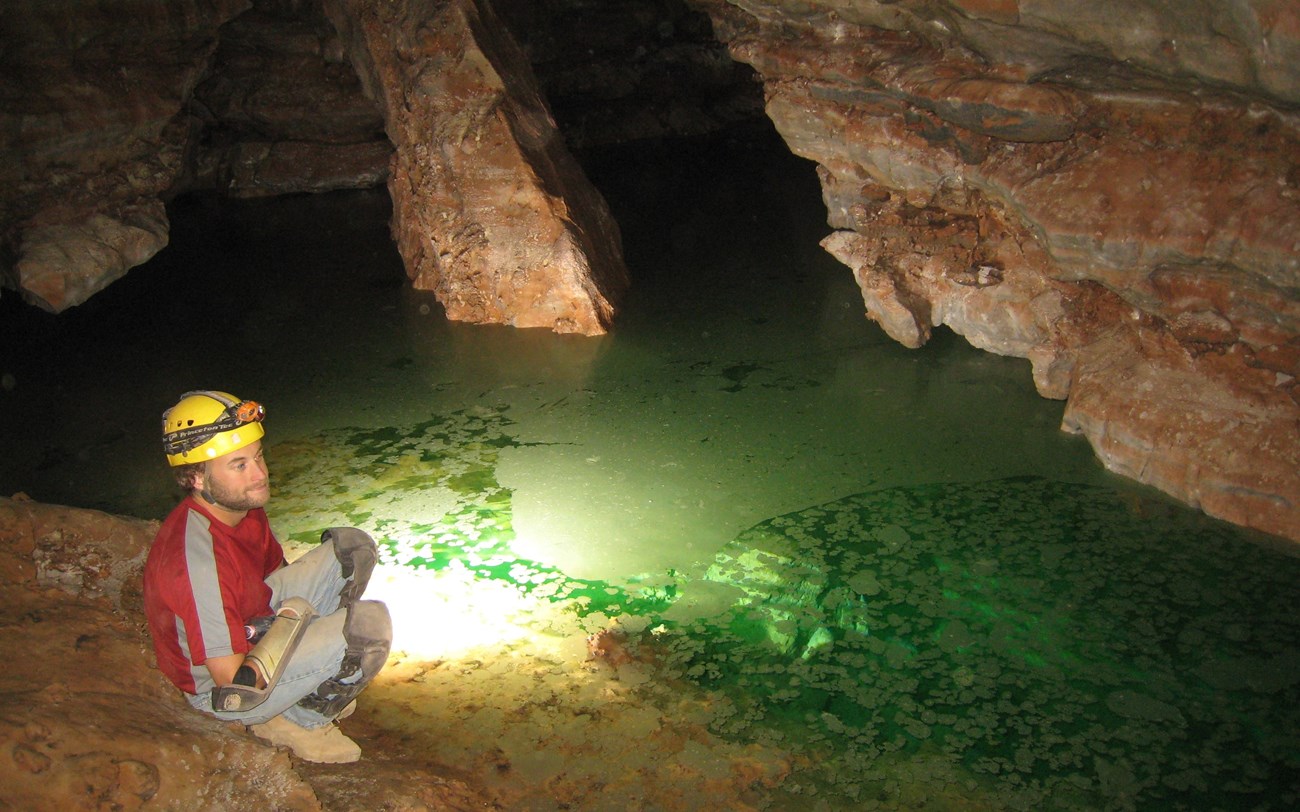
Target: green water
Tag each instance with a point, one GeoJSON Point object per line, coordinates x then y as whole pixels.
{"type": "Point", "coordinates": [891, 563]}
{"type": "Point", "coordinates": [1025, 642]}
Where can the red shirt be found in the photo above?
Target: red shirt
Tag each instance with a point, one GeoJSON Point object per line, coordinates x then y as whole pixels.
{"type": "Point", "coordinates": [203, 580]}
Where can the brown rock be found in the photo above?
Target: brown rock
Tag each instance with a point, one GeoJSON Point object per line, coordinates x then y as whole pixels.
{"type": "Point", "coordinates": [88, 723]}
{"type": "Point", "coordinates": [999, 171]}
{"type": "Point", "coordinates": [92, 134]}
{"type": "Point", "coordinates": [490, 211]}
{"type": "Point", "coordinates": [1159, 414]}
{"type": "Point", "coordinates": [286, 167]}
{"type": "Point", "coordinates": [284, 111]}
{"type": "Point", "coordinates": [283, 77]}
{"type": "Point", "coordinates": [62, 264]}
{"type": "Point", "coordinates": [85, 721]}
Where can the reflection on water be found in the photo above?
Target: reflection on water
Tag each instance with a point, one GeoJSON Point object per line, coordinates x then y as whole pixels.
{"type": "Point", "coordinates": [1022, 641]}
{"type": "Point", "coordinates": [849, 574]}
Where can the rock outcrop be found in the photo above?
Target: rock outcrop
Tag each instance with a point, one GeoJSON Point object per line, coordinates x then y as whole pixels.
{"type": "Point", "coordinates": [282, 110]}
{"type": "Point", "coordinates": [85, 723]}
{"type": "Point", "coordinates": [92, 134]}
{"type": "Point", "coordinates": [1114, 196]}
{"type": "Point", "coordinates": [490, 211]}
{"type": "Point", "coordinates": [111, 109]}
{"type": "Point", "coordinates": [88, 723]}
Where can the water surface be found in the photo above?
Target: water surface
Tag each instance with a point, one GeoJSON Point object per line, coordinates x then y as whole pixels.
{"type": "Point", "coordinates": [887, 570]}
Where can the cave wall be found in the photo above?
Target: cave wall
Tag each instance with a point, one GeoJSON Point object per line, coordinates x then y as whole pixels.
{"type": "Point", "coordinates": [281, 110]}
{"type": "Point", "coordinates": [628, 70]}
{"type": "Point", "coordinates": [112, 107]}
{"type": "Point", "coordinates": [91, 135]}
{"type": "Point", "coordinates": [1109, 191]}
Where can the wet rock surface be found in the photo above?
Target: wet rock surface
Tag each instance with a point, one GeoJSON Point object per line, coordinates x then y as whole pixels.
{"type": "Point", "coordinates": [87, 721]}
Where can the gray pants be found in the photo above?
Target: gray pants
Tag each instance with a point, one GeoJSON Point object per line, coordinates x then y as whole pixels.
{"type": "Point", "coordinates": [317, 577]}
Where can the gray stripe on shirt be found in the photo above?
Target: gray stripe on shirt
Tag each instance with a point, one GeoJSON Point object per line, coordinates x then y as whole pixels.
{"type": "Point", "coordinates": [199, 673]}
{"type": "Point", "coordinates": [201, 564]}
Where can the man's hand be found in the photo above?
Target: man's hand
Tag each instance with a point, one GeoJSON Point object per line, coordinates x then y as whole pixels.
{"type": "Point", "coordinates": [223, 670]}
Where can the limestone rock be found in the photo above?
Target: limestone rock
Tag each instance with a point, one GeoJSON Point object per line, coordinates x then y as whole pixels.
{"type": "Point", "coordinates": [259, 169]}
{"type": "Point", "coordinates": [1241, 44]}
{"type": "Point", "coordinates": [284, 111]}
{"type": "Point", "coordinates": [87, 722]}
{"type": "Point", "coordinates": [1006, 170]}
{"type": "Point", "coordinates": [490, 211]}
{"type": "Point", "coordinates": [91, 134]}
{"type": "Point", "coordinates": [1221, 438]}
{"type": "Point", "coordinates": [64, 263]}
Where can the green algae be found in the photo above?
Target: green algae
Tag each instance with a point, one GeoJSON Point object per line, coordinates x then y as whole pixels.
{"type": "Point", "coordinates": [1021, 642]}
{"type": "Point", "coordinates": [1061, 645]}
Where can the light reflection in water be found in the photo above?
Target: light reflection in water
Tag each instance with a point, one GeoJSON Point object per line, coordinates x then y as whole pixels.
{"type": "Point", "coordinates": [1047, 643]}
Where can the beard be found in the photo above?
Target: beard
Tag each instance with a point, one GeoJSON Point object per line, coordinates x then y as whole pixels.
{"type": "Point", "coordinates": [233, 499]}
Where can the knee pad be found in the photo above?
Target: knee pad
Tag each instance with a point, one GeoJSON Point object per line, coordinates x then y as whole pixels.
{"type": "Point", "coordinates": [357, 554]}
{"type": "Point", "coordinates": [368, 631]}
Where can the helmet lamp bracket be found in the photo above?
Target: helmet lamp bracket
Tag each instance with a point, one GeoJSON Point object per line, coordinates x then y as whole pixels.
{"type": "Point", "coordinates": [236, 414]}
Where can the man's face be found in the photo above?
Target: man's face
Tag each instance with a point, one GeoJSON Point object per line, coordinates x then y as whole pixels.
{"type": "Point", "coordinates": [238, 480]}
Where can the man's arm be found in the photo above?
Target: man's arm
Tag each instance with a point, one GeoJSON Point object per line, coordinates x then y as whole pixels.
{"type": "Point", "coordinates": [245, 682]}
{"type": "Point", "coordinates": [223, 669]}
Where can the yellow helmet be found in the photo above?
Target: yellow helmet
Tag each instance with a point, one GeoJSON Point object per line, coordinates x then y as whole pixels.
{"type": "Point", "coordinates": [205, 425]}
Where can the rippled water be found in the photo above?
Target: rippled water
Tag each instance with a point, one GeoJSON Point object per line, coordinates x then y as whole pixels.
{"type": "Point", "coordinates": [889, 565]}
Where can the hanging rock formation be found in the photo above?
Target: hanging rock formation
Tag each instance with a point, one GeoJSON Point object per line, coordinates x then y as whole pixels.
{"type": "Point", "coordinates": [490, 211]}
{"type": "Point", "coordinates": [91, 136]}
{"type": "Point", "coordinates": [112, 108]}
{"type": "Point", "coordinates": [1113, 195]}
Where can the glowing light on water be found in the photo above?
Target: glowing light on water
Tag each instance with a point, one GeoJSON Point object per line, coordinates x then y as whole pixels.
{"type": "Point", "coordinates": [1004, 629]}
{"type": "Point", "coordinates": [451, 613]}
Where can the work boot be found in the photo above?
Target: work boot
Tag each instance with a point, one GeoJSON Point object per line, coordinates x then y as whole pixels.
{"type": "Point", "coordinates": [323, 745]}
